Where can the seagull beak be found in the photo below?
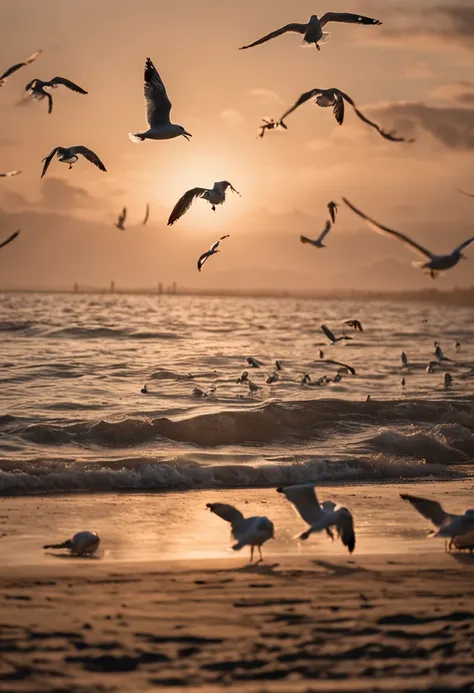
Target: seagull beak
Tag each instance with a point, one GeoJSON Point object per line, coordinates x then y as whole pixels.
{"type": "Point", "coordinates": [187, 135]}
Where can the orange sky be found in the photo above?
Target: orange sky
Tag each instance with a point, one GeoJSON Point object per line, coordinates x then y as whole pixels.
{"type": "Point", "coordinates": [219, 95]}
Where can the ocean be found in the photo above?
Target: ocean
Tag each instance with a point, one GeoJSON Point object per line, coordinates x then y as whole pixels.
{"type": "Point", "coordinates": [74, 419]}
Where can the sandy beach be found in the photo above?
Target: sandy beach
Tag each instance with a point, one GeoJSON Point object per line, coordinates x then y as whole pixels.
{"type": "Point", "coordinates": [396, 615]}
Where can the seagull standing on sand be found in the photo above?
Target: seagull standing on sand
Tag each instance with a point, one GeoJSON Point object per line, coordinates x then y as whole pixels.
{"type": "Point", "coordinates": [404, 358]}
{"type": "Point", "coordinates": [37, 89]}
{"type": "Point", "coordinates": [335, 98]}
{"type": "Point", "coordinates": [432, 264]}
{"type": "Point", "coordinates": [333, 207]}
{"type": "Point", "coordinates": [69, 155]}
{"type": "Point", "coordinates": [449, 525]}
{"type": "Point", "coordinates": [215, 196]}
{"type": "Point", "coordinates": [212, 251]}
{"type": "Point", "coordinates": [250, 531]}
{"type": "Point", "coordinates": [331, 336]}
{"type": "Point", "coordinates": [16, 67]}
{"type": "Point", "coordinates": [82, 544]}
{"type": "Point", "coordinates": [321, 516]}
{"type": "Point", "coordinates": [312, 31]}
{"type": "Point", "coordinates": [9, 174]}
{"type": "Point", "coordinates": [9, 239]}
{"type": "Point", "coordinates": [120, 223]}
{"type": "Point", "coordinates": [158, 108]}
{"type": "Point", "coordinates": [318, 242]}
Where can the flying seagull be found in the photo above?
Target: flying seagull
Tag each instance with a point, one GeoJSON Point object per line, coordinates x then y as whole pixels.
{"type": "Point", "coordinates": [158, 108]}
{"type": "Point", "coordinates": [351, 370]}
{"type": "Point", "coordinates": [250, 531]}
{"type": "Point", "coordinates": [433, 264]}
{"type": "Point", "coordinates": [448, 524]}
{"type": "Point", "coordinates": [215, 196]}
{"type": "Point", "coordinates": [318, 242]}
{"type": "Point", "coordinates": [9, 239]}
{"type": "Point", "coordinates": [355, 324]}
{"type": "Point", "coordinates": [320, 516]}
{"type": "Point", "coordinates": [9, 174]}
{"type": "Point", "coordinates": [212, 251]}
{"type": "Point", "coordinates": [335, 98]}
{"type": "Point", "coordinates": [16, 67]}
{"type": "Point", "coordinates": [312, 31]}
{"type": "Point", "coordinates": [37, 89]}
{"type": "Point", "coordinates": [267, 125]}
{"type": "Point", "coordinates": [333, 207]}
{"type": "Point", "coordinates": [147, 214]}
{"type": "Point", "coordinates": [121, 220]}
{"type": "Point", "coordinates": [331, 336]}
{"type": "Point", "coordinates": [69, 155]}
{"type": "Point", "coordinates": [82, 544]}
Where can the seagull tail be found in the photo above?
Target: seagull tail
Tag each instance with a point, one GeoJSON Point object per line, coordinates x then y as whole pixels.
{"type": "Point", "coordinates": [305, 535]}
{"type": "Point", "coordinates": [136, 136]}
{"type": "Point", "coordinates": [304, 239]}
{"type": "Point", "coordinates": [64, 545]}
{"type": "Point", "coordinates": [238, 546]}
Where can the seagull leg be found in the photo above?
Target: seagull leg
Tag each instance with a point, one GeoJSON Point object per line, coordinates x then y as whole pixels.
{"type": "Point", "coordinates": [318, 47]}
{"type": "Point", "coordinates": [213, 208]}
{"type": "Point", "coordinates": [251, 554]}
{"type": "Point", "coordinates": [261, 556]}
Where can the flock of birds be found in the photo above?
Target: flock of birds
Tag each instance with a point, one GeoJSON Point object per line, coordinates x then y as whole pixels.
{"type": "Point", "coordinates": [320, 517]}
{"type": "Point", "coordinates": [160, 127]}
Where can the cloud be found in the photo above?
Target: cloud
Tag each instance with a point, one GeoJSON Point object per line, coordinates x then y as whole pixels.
{"type": "Point", "coordinates": [462, 92]}
{"type": "Point", "coordinates": [264, 97]}
{"type": "Point", "coordinates": [232, 117]}
{"type": "Point", "coordinates": [14, 200]}
{"type": "Point", "coordinates": [60, 195]}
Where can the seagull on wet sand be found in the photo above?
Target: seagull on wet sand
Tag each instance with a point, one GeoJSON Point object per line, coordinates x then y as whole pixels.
{"type": "Point", "coordinates": [448, 380]}
{"type": "Point", "coordinates": [9, 174]}
{"type": "Point", "coordinates": [335, 98]}
{"type": "Point", "coordinates": [69, 155]}
{"type": "Point", "coordinates": [9, 239]}
{"type": "Point", "coordinates": [82, 544]}
{"type": "Point", "coordinates": [212, 251]}
{"type": "Point", "coordinates": [250, 531]}
{"type": "Point", "coordinates": [312, 31]}
{"type": "Point", "coordinates": [243, 377]}
{"type": "Point", "coordinates": [215, 196]}
{"type": "Point", "coordinates": [147, 214]}
{"type": "Point", "coordinates": [16, 67]}
{"type": "Point", "coordinates": [432, 264]}
{"type": "Point", "coordinates": [404, 358]}
{"type": "Point", "coordinates": [37, 89]}
{"type": "Point", "coordinates": [318, 242]}
{"type": "Point", "coordinates": [158, 108]}
{"type": "Point", "coordinates": [255, 363]}
{"type": "Point", "coordinates": [320, 516]}
{"type": "Point", "coordinates": [449, 525]}
{"type": "Point", "coordinates": [354, 324]}
{"type": "Point", "coordinates": [438, 352]}
{"type": "Point", "coordinates": [331, 336]}
{"type": "Point", "coordinates": [120, 223]}
{"type": "Point", "coordinates": [333, 207]}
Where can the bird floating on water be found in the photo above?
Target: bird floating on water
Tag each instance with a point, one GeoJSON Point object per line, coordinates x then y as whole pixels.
{"type": "Point", "coordinates": [82, 544]}
{"type": "Point", "coordinates": [448, 525]}
{"type": "Point", "coordinates": [212, 251]}
{"type": "Point", "coordinates": [432, 264]}
{"type": "Point", "coordinates": [331, 336]}
{"type": "Point", "coordinates": [318, 242]}
{"type": "Point", "coordinates": [9, 239]}
{"type": "Point", "coordinates": [120, 223]}
{"type": "Point", "coordinates": [354, 324]}
{"type": "Point", "coordinates": [38, 89]}
{"type": "Point", "coordinates": [312, 31]}
{"type": "Point", "coordinates": [70, 155]}
{"type": "Point", "coordinates": [9, 174]}
{"type": "Point", "coordinates": [158, 108]}
{"type": "Point", "coordinates": [16, 67]}
{"type": "Point", "coordinates": [215, 196]}
{"type": "Point", "coordinates": [250, 531]}
{"type": "Point", "coordinates": [320, 516]}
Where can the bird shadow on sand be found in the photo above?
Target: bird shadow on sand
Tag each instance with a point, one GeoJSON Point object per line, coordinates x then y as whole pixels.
{"type": "Point", "coordinates": [257, 568]}
{"type": "Point", "coordinates": [336, 569]}
{"type": "Point", "coordinates": [72, 557]}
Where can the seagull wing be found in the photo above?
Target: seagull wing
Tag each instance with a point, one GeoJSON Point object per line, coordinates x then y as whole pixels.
{"type": "Point", "coordinates": [303, 98]}
{"type": "Point", "coordinates": [9, 239]}
{"type": "Point", "coordinates": [47, 160]}
{"type": "Point", "coordinates": [332, 206]}
{"type": "Point", "coordinates": [297, 28]}
{"type": "Point", "coordinates": [305, 500]}
{"type": "Point", "coordinates": [147, 214]}
{"type": "Point", "coordinates": [203, 259]}
{"type": "Point", "coordinates": [463, 245]}
{"type": "Point", "coordinates": [325, 232]}
{"type": "Point", "coordinates": [351, 370]}
{"type": "Point", "coordinates": [89, 155]}
{"type": "Point", "coordinates": [339, 109]}
{"type": "Point", "coordinates": [50, 101]}
{"type": "Point", "coordinates": [57, 81]}
{"type": "Point", "coordinates": [463, 192]}
{"type": "Point", "coordinates": [391, 136]}
{"type": "Point", "coordinates": [330, 335]}
{"type": "Point", "coordinates": [256, 531]}
{"type": "Point", "coordinates": [9, 174]}
{"type": "Point", "coordinates": [31, 84]}
{"type": "Point", "coordinates": [347, 18]}
{"type": "Point", "coordinates": [432, 510]}
{"type": "Point", "coordinates": [228, 512]}
{"type": "Point", "coordinates": [124, 213]}
{"type": "Point", "coordinates": [158, 105]}
{"type": "Point", "coordinates": [184, 203]}
{"type": "Point", "coordinates": [345, 528]}
{"type": "Point", "coordinates": [385, 230]}
{"type": "Point", "coordinates": [16, 67]}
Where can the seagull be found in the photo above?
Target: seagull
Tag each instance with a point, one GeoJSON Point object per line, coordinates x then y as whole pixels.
{"type": "Point", "coordinates": [9, 239]}
{"type": "Point", "coordinates": [312, 31]}
{"type": "Point", "coordinates": [351, 370]}
{"type": "Point", "coordinates": [333, 207]}
{"type": "Point", "coordinates": [306, 379]}
{"type": "Point", "coordinates": [331, 336]}
{"type": "Point", "coordinates": [243, 377]}
{"type": "Point", "coordinates": [16, 67]}
{"type": "Point", "coordinates": [38, 89]}
{"type": "Point", "coordinates": [253, 387]}
{"type": "Point", "coordinates": [355, 324]}
{"type": "Point", "coordinates": [438, 352]}
{"type": "Point", "coordinates": [404, 382]}
{"type": "Point", "coordinates": [433, 264]}
{"type": "Point", "coordinates": [272, 378]}
{"type": "Point", "coordinates": [215, 196]}
{"type": "Point", "coordinates": [335, 98]}
{"type": "Point", "coordinates": [267, 125]}
{"type": "Point", "coordinates": [448, 524]}
{"type": "Point", "coordinates": [318, 242]}
{"type": "Point", "coordinates": [250, 531]}
{"type": "Point", "coordinates": [404, 358]}
{"type": "Point", "coordinates": [465, 193]}
{"type": "Point", "coordinates": [253, 362]}
{"type": "Point", "coordinates": [212, 251]}
{"type": "Point", "coordinates": [82, 544]}
{"type": "Point", "coordinates": [448, 380]}
{"type": "Point", "coordinates": [458, 345]}
{"type": "Point", "coordinates": [69, 155]}
{"type": "Point", "coordinates": [278, 365]}
{"type": "Point", "coordinates": [158, 108]}
{"type": "Point", "coordinates": [320, 516]}
{"type": "Point", "coordinates": [144, 390]}
{"type": "Point", "coordinates": [321, 354]}
{"type": "Point", "coordinates": [147, 214]}
{"type": "Point", "coordinates": [9, 174]}
{"type": "Point", "coordinates": [121, 220]}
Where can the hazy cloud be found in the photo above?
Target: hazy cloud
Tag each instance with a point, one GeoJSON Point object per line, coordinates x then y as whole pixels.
{"type": "Point", "coordinates": [60, 195]}
{"type": "Point", "coordinates": [265, 97]}
{"type": "Point", "coordinates": [452, 24]}
{"type": "Point", "coordinates": [232, 117]}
